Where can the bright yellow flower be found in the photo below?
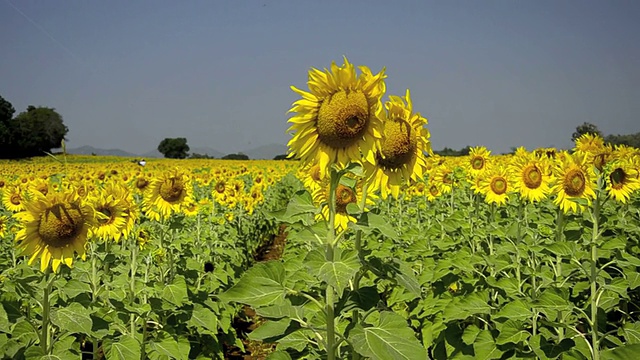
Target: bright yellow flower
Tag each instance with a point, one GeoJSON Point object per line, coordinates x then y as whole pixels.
{"type": "Point", "coordinates": [575, 179]}
{"type": "Point", "coordinates": [338, 120]}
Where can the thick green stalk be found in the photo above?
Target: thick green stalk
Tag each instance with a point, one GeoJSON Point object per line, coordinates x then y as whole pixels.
{"type": "Point", "coordinates": [329, 254]}
{"type": "Point", "coordinates": [46, 308]}
{"type": "Point", "coordinates": [358, 246]}
{"type": "Point", "coordinates": [132, 282]}
{"type": "Point", "coordinates": [593, 276]}
{"type": "Point", "coordinates": [559, 227]}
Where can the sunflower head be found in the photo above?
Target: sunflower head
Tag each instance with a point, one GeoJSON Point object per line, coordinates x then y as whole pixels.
{"type": "Point", "coordinates": [621, 180]}
{"type": "Point", "coordinates": [575, 180]}
{"type": "Point", "coordinates": [338, 120]}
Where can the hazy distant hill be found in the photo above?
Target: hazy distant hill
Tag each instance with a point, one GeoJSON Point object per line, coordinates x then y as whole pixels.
{"type": "Point", "coordinates": [88, 150]}
{"type": "Point", "coordinates": [152, 154]}
{"type": "Point", "coordinates": [266, 152]}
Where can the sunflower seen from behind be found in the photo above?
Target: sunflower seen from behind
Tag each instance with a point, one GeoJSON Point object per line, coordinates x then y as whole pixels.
{"type": "Point", "coordinates": [338, 120]}
{"type": "Point", "coordinates": [54, 228]}
{"type": "Point", "coordinates": [401, 157]}
{"type": "Point", "coordinates": [575, 179]}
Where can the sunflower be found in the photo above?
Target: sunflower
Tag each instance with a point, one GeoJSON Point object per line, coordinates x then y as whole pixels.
{"type": "Point", "coordinates": [311, 177]}
{"type": "Point", "coordinates": [433, 192]}
{"type": "Point", "coordinates": [496, 185]}
{"type": "Point", "coordinates": [531, 178]}
{"type": "Point", "coordinates": [222, 189]}
{"type": "Point", "coordinates": [344, 195]}
{"type": "Point", "coordinates": [621, 179]}
{"type": "Point", "coordinates": [338, 120]}
{"type": "Point", "coordinates": [478, 160]}
{"type": "Point", "coordinates": [54, 227]}
{"type": "Point", "coordinates": [112, 213]}
{"type": "Point", "coordinates": [443, 177]}
{"type": "Point", "coordinates": [589, 143]}
{"type": "Point", "coordinates": [168, 194]}
{"type": "Point", "coordinates": [12, 199]}
{"type": "Point", "coordinates": [575, 179]}
{"type": "Point", "coordinates": [405, 140]}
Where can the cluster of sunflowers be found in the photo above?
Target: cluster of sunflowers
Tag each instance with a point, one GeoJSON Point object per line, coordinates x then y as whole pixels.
{"type": "Point", "coordinates": [57, 215]}
{"type": "Point", "coordinates": [566, 176]}
{"type": "Point", "coordinates": [341, 119]}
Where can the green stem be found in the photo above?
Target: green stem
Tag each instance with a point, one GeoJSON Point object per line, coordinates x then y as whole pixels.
{"type": "Point", "coordinates": [559, 233]}
{"type": "Point", "coordinates": [94, 272]}
{"type": "Point", "coordinates": [329, 256]}
{"type": "Point", "coordinates": [132, 282]}
{"type": "Point", "coordinates": [46, 309]}
{"type": "Point", "coordinates": [358, 247]}
{"type": "Point", "coordinates": [593, 276]}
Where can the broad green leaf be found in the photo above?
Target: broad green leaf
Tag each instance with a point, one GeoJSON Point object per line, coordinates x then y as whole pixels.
{"type": "Point", "coordinates": [339, 273]}
{"type": "Point", "coordinates": [511, 332]}
{"type": "Point", "coordinates": [279, 355]}
{"type": "Point", "coordinates": [369, 221]}
{"type": "Point", "coordinates": [624, 352]}
{"type": "Point", "coordinates": [24, 332]}
{"type": "Point", "coordinates": [283, 310]}
{"type": "Point", "coordinates": [124, 348]}
{"type": "Point", "coordinates": [176, 292]}
{"type": "Point", "coordinates": [632, 332]}
{"type": "Point", "coordinates": [73, 318]}
{"type": "Point", "coordinates": [203, 317]}
{"type": "Point", "coordinates": [5, 326]}
{"type": "Point", "coordinates": [470, 334]}
{"type": "Point", "coordinates": [391, 338]}
{"type": "Point", "coordinates": [515, 310]}
{"type": "Point", "coordinates": [75, 287]}
{"type": "Point", "coordinates": [548, 350]}
{"type": "Point", "coordinates": [270, 330]}
{"type": "Point", "coordinates": [168, 346]}
{"type": "Point", "coordinates": [259, 286]}
{"type": "Point", "coordinates": [553, 299]}
{"type": "Point", "coordinates": [485, 347]}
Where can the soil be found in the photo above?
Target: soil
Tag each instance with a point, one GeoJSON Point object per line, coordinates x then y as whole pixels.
{"type": "Point", "coordinates": [247, 320]}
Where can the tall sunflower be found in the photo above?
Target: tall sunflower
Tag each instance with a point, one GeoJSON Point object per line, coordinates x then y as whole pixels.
{"type": "Point", "coordinates": [338, 120]}
{"type": "Point", "coordinates": [621, 179]}
{"type": "Point", "coordinates": [344, 195]}
{"type": "Point", "coordinates": [405, 140]}
{"type": "Point", "coordinates": [531, 177]}
{"type": "Point", "coordinates": [54, 228]}
{"type": "Point", "coordinates": [575, 179]}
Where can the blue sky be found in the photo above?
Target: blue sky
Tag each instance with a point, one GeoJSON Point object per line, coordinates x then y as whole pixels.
{"type": "Point", "coordinates": [127, 74]}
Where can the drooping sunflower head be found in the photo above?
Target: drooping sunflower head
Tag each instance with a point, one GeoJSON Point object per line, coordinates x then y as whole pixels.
{"type": "Point", "coordinates": [621, 180]}
{"type": "Point", "coordinates": [54, 228]}
{"type": "Point", "coordinates": [401, 157]}
{"type": "Point", "coordinates": [589, 143]}
{"type": "Point", "coordinates": [338, 120]}
{"type": "Point", "coordinates": [575, 179]}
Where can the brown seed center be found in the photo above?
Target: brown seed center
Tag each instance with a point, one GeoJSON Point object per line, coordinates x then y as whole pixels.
{"type": "Point", "coordinates": [60, 224]}
{"type": "Point", "coordinates": [342, 118]}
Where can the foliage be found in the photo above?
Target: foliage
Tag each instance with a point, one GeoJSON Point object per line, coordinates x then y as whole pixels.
{"type": "Point", "coordinates": [585, 128]}
{"type": "Point", "coordinates": [174, 148]}
{"type": "Point", "coordinates": [33, 132]}
{"type": "Point", "coordinates": [200, 156]}
{"type": "Point", "coordinates": [451, 152]}
{"type": "Point", "coordinates": [238, 156]}
{"type": "Point", "coordinates": [629, 140]}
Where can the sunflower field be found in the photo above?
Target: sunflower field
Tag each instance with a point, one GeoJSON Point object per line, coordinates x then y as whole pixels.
{"type": "Point", "coordinates": [367, 246]}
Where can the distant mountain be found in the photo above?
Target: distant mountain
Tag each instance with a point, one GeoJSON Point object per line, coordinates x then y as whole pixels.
{"type": "Point", "coordinates": [89, 150]}
{"type": "Point", "coordinates": [206, 151]}
{"type": "Point", "coordinates": [152, 154]}
{"type": "Point", "coordinates": [266, 152]}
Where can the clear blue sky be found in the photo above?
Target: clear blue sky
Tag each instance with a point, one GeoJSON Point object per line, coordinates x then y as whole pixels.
{"type": "Point", "coordinates": [126, 74]}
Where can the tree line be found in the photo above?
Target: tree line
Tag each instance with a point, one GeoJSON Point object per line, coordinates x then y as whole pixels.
{"type": "Point", "coordinates": [33, 132]}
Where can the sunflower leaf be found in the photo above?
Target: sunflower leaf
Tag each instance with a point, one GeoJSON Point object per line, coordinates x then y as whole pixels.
{"type": "Point", "coordinates": [124, 348]}
{"type": "Point", "coordinates": [73, 318]}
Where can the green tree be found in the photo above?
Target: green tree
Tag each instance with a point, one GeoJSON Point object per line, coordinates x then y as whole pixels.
{"type": "Point", "coordinates": [239, 156]}
{"type": "Point", "coordinates": [174, 148]}
{"type": "Point", "coordinates": [33, 133]}
{"type": "Point", "coordinates": [6, 114]}
{"type": "Point", "coordinates": [585, 128]}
